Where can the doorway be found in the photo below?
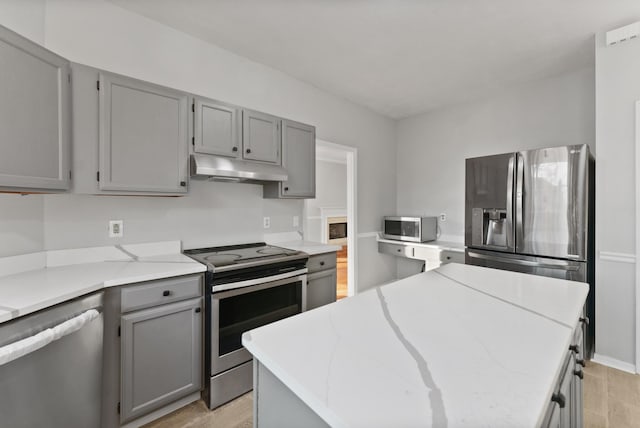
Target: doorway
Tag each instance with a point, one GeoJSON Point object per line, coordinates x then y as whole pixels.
{"type": "Point", "coordinates": [334, 205]}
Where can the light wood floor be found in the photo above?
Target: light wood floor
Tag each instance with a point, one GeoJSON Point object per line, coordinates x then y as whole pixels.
{"type": "Point", "coordinates": [341, 266]}
{"type": "Point", "coordinates": [611, 399]}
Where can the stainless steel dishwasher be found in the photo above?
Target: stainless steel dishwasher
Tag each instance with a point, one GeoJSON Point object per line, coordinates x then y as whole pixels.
{"type": "Point", "coordinates": [51, 366]}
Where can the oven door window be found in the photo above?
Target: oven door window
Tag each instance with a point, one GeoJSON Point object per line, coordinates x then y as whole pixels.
{"type": "Point", "coordinates": [253, 309]}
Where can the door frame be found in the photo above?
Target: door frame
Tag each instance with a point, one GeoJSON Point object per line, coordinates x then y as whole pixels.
{"type": "Point", "coordinates": [351, 155]}
{"type": "Point", "coordinates": [637, 250]}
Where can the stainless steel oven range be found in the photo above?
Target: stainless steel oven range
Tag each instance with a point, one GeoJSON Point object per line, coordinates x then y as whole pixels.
{"type": "Point", "coordinates": [247, 286]}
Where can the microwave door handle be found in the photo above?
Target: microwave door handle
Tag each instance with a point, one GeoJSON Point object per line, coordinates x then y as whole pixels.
{"type": "Point", "coordinates": [510, 233]}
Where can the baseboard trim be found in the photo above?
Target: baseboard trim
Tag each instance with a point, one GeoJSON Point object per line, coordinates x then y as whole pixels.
{"type": "Point", "coordinates": [614, 363]}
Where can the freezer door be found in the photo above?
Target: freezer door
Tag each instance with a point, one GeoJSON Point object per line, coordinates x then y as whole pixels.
{"type": "Point", "coordinates": [563, 269]}
{"type": "Point", "coordinates": [551, 202]}
{"type": "Point", "coordinates": [489, 202]}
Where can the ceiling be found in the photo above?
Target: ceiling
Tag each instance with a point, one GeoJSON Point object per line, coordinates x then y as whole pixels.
{"type": "Point", "coordinates": [401, 57]}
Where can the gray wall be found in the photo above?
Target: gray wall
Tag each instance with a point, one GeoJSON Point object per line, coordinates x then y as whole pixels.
{"type": "Point", "coordinates": [617, 90]}
{"type": "Point", "coordinates": [432, 147]}
{"type": "Point", "coordinates": [331, 192]}
{"type": "Point", "coordinates": [98, 33]}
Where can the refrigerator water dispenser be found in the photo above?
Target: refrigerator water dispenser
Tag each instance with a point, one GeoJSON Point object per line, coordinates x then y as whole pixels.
{"type": "Point", "coordinates": [489, 227]}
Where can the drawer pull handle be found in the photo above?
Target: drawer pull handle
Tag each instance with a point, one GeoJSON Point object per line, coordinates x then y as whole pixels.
{"type": "Point", "coordinates": [166, 293]}
{"type": "Point", "coordinates": [581, 362]}
{"type": "Point", "coordinates": [560, 399]}
{"type": "Point", "coordinates": [574, 348]}
{"type": "Point", "coordinates": [579, 373]}
{"type": "Point", "coordinates": [321, 263]}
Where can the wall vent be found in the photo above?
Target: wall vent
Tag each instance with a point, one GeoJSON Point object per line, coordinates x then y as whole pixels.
{"type": "Point", "coordinates": [623, 34]}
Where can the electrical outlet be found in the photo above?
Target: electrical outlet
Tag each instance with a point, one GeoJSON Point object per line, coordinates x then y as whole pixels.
{"type": "Point", "coordinates": [443, 217]}
{"type": "Point", "coordinates": [116, 229]}
{"type": "Point", "coordinates": [266, 222]}
{"type": "Point", "coordinates": [296, 221]}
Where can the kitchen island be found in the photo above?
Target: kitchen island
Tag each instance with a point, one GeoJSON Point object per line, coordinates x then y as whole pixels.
{"type": "Point", "coordinates": [457, 346]}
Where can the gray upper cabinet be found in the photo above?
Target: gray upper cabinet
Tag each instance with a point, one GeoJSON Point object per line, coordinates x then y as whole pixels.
{"type": "Point", "coordinates": [260, 137]}
{"type": "Point", "coordinates": [161, 356]}
{"type": "Point", "coordinates": [35, 116]}
{"type": "Point", "coordinates": [217, 128]}
{"type": "Point", "coordinates": [299, 159]}
{"type": "Point", "coordinates": [143, 136]}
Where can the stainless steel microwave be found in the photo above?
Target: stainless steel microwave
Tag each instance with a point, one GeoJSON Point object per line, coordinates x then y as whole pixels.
{"type": "Point", "coordinates": [414, 229]}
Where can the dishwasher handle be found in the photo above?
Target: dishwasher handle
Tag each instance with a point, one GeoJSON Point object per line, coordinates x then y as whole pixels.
{"type": "Point", "coordinates": [23, 347]}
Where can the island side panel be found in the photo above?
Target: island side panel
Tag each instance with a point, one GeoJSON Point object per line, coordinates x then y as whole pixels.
{"type": "Point", "coordinates": [276, 406]}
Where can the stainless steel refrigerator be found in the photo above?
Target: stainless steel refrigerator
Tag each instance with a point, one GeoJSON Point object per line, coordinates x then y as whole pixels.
{"type": "Point", "coordinates": [533, 211]}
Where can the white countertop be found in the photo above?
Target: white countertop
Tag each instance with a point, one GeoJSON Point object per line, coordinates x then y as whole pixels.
{"type": "Point", "coordinates": [310, 247]}
{"type": "Point", "coordinates": [466, 344]}
{"type": "Point", "coordinates": [441, 245]}
{"type": "Point", "coordinates": [36, 281]}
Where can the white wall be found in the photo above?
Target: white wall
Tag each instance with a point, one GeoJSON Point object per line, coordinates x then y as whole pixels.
{"type": "Point", "coordinates": [25, 17]}
{"type": "Point", "coordinates": [98, 33]}
{"type": "Point", "coordinates": [331, 192]}
{"type": "Point", "coordinates": [432, 147]}
{"type": "Point", "coordinates": [617, 90]}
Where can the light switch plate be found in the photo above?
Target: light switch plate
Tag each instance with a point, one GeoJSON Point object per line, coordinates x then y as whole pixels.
{"type": "Point", "coordinates": [266, 222]}
{"type": "Point", "coordinates": [116, 229]}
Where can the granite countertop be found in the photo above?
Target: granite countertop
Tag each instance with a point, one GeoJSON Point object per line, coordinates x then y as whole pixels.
{"type": "Point", "coordinates": [459, 345]}
{"type": "Point", "coordinates": [441, 245]}
{"type": "Point", "coordinates": [36, 281]}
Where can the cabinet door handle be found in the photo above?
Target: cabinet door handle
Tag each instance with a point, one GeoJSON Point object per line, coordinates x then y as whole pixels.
{"type": "Point", "coordinates": [183, 184]}
{"type": "Point", "coordinates": [580, 362]}
{"type": "Point", "coordinates": [585, 320]}
{"type": "Point", "coordinates": [286, 189]}
{"type": "Point", "coordinates": [579, 373]}
{"type": "Point", "coordinates": [198, 310]}
{"type": "Point", "coordinates": [574, 348]}
{"type": "Point", "coordinates": [560, 399]}
{"type": "Point", "coordinates": [166, 293]}
{"type": "Point", "coordinates": [235, 149]}
{"type": "Point", "coordinates": [248, 150]}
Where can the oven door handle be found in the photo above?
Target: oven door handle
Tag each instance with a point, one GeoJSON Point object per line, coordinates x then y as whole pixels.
{"type": "Point", "coordinates": [257, 281]}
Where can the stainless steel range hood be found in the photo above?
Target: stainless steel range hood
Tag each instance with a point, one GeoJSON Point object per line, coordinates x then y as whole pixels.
{"type": "Point", "coordinates": [225, 169]}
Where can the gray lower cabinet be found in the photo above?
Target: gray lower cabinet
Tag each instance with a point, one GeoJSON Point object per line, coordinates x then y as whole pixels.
{"type": "Point", "coordinates": [130, 137]}
{"type": "Point", "coordinates": [566, 407]}
{"type": "Point", "coordinates": [321, 280]}
{"type": "Point", "coordinates": [299, 159]}
{"type": "Point", "coordinates": [217, 128]}
{"type": "Point", "coordinates": [35, 112]}
{"type": "Point", "coordinates": [153, 348]}
{"type": "Point", "coordinates": [161, 356]}
{"type": "Point", "coordinates": [260, 137]}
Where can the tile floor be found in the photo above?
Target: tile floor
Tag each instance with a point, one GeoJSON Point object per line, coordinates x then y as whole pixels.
{"type": "Point", "coordinates": [611, 400]}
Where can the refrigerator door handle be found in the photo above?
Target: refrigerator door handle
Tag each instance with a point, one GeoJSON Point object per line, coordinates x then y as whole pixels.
{"type": "Point", "coordinates": [510, 234]}
{"type": "Point", "coordinates": [519, 201]}
{"type": "Point", "coordinates": [557, 264]}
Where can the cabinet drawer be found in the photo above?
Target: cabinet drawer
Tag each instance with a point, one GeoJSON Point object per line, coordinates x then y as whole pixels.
{"type": "Point", "coordinates": [395, 249]}
{"type": "Point", "coordinates": [447, 256]}
{"type": "Point", "coordinates": [321, 262]}
{"type": "Point", "coordinates": [160, 292]}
